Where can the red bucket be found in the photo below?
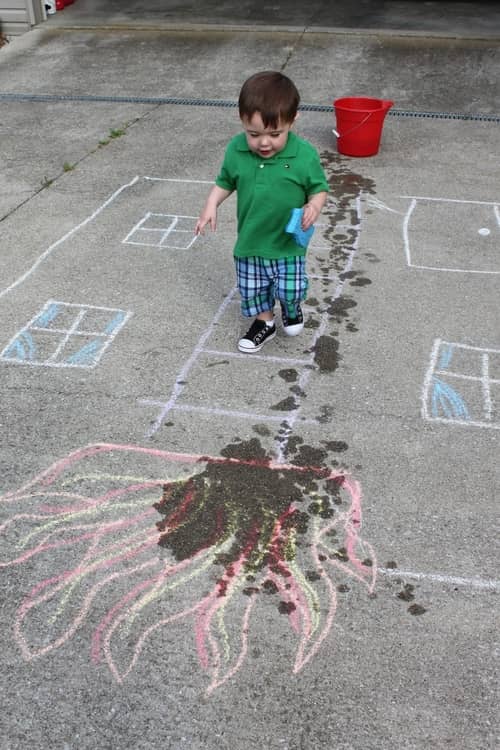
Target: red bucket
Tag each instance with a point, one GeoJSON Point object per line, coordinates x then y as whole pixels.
{"type": "Point", "coordinates": [359, 124]}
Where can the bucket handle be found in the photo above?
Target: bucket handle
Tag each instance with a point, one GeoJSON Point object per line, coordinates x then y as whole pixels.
{"type": "Point", "coordinates": [358, 125]}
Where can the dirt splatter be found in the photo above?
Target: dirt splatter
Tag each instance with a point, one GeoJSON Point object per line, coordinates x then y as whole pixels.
{"type": "Point", "coordinates": [339, 309]}
{"type": "Point", "coordinates": [312, 302]}
{"type": "Point", "coordinates": [341, 235]}
{"type": "Point", "coordinates": [293, 443]}
{"type": "Point", "coordinates": [269, 587]}
{"type": "Point", "coordinates": [326, 414]}
{"type": "Point", "coordinates": [356, 278]}
{"type": "Point", "coordinates": [371, 257]}
{"type": "Point", "coordinates": [287, 404]}
{"type": "Point", "coordinates": [241, 500]}
{"type": "Point", "coordinates": [416, 609]}
{"type": "Point", "coordinates": [251, 590]}
{"type": "Point", "coordinates": [407, 594]}
{"type": "Point", "coordinates": [309, 456]}
{"type": "Point", "coordinates": [322, 508]}
{"type": "Point", "coordinates": [341, 554]}
{"type": "Point", "coordinates": [336, 446]}
{"type": "Point", "coordinates": [345, 186]}
{"type": "Point", "coordinates": [261, 429]}
{"type": "Point", "coordinates": [312, 575]}
{"type": "Point", "coordinates": [215, 364]}
{"type": "Point", "coordinates": [326, 353]}
{"type": "Point", "coordinates": [289, 376]}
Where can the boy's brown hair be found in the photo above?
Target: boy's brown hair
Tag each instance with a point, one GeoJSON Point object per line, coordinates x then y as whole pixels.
{"type": "Point", "coordinates": [271, 94]}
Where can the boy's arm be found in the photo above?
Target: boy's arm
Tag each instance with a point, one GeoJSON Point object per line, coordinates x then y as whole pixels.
{"type": "Point", "coordinates": [313, 208]}
{"type": "Point", "coordinates": [209, 213]}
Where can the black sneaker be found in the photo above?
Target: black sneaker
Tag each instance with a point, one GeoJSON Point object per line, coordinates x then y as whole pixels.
{"type": "Point", "coordinates": [292, 326]}
{"type": "Point", "coordinates": [256, 337]}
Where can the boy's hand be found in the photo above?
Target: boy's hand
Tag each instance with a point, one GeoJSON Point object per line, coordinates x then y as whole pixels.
{"type": "Point", "coordinates": [207, 217]}
{"type": "Point", "coordinates": [312, 209]}
{"type": "Point", "coordinates": [309, 216]}
{"type": "Point", "coordinates": [209, 213]}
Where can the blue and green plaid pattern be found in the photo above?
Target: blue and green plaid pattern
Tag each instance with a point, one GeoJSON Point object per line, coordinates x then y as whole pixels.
{"type": "Point", "coordinates": [261, 281]}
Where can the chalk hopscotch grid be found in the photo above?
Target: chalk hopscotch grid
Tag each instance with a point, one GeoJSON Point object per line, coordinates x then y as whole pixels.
{"type": "Point", "coordinates": [170, 231]}
{"type": "Point", "coordinates": [406, 239]}
{"type": "Point", "coordinates": [441, 401]}
{"type": "Point", "coordinates": [307, 363]}
{"type": "Point", "coordinates": [24, 349]}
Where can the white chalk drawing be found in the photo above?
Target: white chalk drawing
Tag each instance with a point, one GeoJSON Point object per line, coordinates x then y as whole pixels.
{"type": "Point", "coordinates": [49, 251]}
{"type": "Point", "coordinates": [65, 335]}
{"type": "Point", "coordinates": [164, 231]}
{"type": "Point", "coordinates": [455, 236]}
{"type": "Point", "coordinates": [462, 385]}
{"type": "Point", "coordinates": [373, 202]}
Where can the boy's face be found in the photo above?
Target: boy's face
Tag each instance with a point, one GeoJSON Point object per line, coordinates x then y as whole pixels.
{"type": "Point", "coordinates": [265, 142]}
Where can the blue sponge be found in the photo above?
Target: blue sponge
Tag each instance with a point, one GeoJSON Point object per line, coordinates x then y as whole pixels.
{"type": "Point", "coordinates": [294, 227]}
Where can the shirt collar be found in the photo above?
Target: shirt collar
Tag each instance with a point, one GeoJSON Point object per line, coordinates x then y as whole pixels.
{"type": "Point", "coordinates": [288, 152]}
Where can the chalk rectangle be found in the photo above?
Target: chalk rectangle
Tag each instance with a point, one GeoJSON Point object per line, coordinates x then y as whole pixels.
{"type": "Point", "coordinates": [65, 335]}
{"type": "Point", "coordinates": [460, 385]}
{"type": "Point", "coordinates": [172, 231]}
{"type": "Point", "coordinates": [452, 235]}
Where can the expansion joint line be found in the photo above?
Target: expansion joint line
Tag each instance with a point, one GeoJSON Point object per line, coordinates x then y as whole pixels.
{"type": "Point", "coordinates": [47, 183]}
{"type": "Point", "coordinates": [192, 102]}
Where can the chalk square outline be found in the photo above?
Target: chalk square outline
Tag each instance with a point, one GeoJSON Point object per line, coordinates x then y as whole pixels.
{"type": "Point", "coordinates": [65, 334]}
{"type": "Point", "coordinates": [164, 232]}
{"type": "Point", "coordinates": [406, 221]}
{"type": "Point", "coordinates": [483, 379]}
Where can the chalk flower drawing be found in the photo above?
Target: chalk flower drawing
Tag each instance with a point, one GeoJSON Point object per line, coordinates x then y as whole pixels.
{"type": "Point", "coordinates": [188, 538]}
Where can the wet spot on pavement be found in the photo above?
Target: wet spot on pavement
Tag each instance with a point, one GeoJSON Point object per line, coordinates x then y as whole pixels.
{"type": "Point", "coordinates": [289, 375]}
{"type": "Point", "coordinates": [326, 353]}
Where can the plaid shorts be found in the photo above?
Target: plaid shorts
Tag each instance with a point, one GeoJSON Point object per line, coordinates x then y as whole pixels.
{"type": "Point", "coordinates": [261, 281]}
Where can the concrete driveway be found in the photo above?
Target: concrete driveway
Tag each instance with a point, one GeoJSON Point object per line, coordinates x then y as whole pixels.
{"type": "Point", "coordinates": [200, 549]}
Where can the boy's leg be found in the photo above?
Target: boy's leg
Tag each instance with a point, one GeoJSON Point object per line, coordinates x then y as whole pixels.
{"type": "Point", "coordinates": [291, 288]}
{"type": "Point", "coordinates": [255, 285]}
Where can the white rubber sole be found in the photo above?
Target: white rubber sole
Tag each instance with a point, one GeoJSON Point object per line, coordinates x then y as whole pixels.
{"type": "Point", "coordinates": [293, 330]}
{"type": "Point", "coordinates": [245, 346]}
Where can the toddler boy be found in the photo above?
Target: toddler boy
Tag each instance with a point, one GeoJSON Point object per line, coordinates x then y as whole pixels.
{"type": "Point", "coordinates": [273, 171]}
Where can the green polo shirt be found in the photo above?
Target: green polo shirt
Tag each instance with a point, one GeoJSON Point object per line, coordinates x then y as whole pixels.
{"type": "Point", "coordinates": [267, 190]}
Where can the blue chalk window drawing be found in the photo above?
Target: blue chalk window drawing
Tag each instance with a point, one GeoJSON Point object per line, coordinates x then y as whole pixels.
{"type": "Point", "coordinates": [163, 231]}
{"type": "Point", "coordinates": [66, 335]}
{"type": "Point", "coordinates": [462, 385]}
